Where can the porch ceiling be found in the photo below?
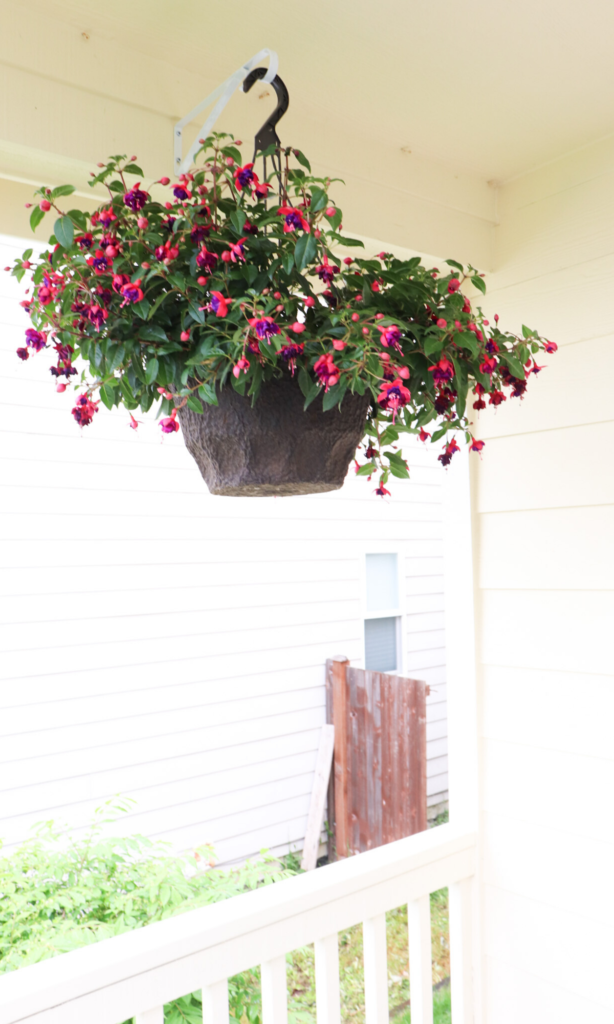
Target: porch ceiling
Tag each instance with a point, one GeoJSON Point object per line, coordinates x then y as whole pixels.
{"type": "Point", "coordinates": [485, 87]}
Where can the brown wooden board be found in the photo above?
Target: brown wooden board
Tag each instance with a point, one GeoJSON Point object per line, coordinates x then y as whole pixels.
{"type": "Point", "coordinates": [379, 780]}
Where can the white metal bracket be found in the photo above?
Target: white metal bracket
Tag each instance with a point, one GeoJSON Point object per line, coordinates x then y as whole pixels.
{"type": "Point", "coordinates": [222, 94]}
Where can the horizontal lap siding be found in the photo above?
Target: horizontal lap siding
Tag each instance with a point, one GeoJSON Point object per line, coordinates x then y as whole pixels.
{"type": "Point", "coordinates": [545, 517]}
{"type": "Point", "coordinates": [169, 646]}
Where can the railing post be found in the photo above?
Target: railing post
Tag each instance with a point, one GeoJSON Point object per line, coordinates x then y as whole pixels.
{"type": "Point", "coordinates": [215, 1003]}
{"type": "Point", "coordinates": [376, 970]}
{"type": "Point", "coordinates": [328, 998]}
{"type": "Point", "coordinates": [155, 1016]}
{"type": "Point", "coordinates": [420, 966]}
{"type": "Point", "coordinates": [461, 965]}
{"type": "Point", "coordinates": [274, 991]}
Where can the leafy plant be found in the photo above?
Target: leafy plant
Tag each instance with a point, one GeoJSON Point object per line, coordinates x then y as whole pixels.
{"type": "Point", "coordinates": [227, 283]}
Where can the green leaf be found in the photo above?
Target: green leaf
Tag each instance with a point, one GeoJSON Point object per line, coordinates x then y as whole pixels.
{"type": "Point", "coordinates": [141, 309]}
{"type": "Point", "coordinates": [115, 356]}
{"type": "Point", "coordinates": [151, 370]}
{"type": "Point", "coordinates": [116, 186]}
{"type": "Point", "coordinates": [196, 313]}
{"type": "Point", "coordinates": [288, 262]}
{"type": "Point", "coordinates": [304, 381]}
{"type": "Point", "coordinates": [319, 199]}
{"type": "Point", "coordinates": [349, 242]}
{"type": "Point", "coordinates": [457, 266]}
{"type": "Point", "coordinates": [238, 218]}
{"type": "Point", "coordinates": [399, 470]}
{"type": "Point", "coordinates": [153, 332]}
{"type": "Point", "coordinates": [331, 398]}
{"type": "Point", "coordinates": [467, 340]}
{"type": "Point", "coordinates": [515, 366]}
{"type": "Point", "coordinates": [302, 159]}
{"type": "Point", "coordinates": [389, 435]}
{"type": "Point", "coordinates": [305, 250]}
{"type": "Point", "coordinates": [433, 345]}
{"type": "Point", "coordinates": [314, 392]}
{"type": "Point", "coordinates": [62, 190]}
{"type": "Point", "coordinates": [156, 304]}
{"type": "Point", "coordinates": [78, 218]}
{"type": "Point", "coordinates": [479, 284]}
{"type": "Point", "coordinates": [194, 403]}
{"type": "Point", "coordinates": [367, 470]}
{"type": "Point", "coordinates": [64, 231]}
{"type": "Point", "coordinates": [526, 331]}
{"type": "Point", "coordinates": [207, 393]}
{"type": "Point", "coordinates": [108, 396]}
{"type": "Point", "coordinates": [36, 217]}
{"type": "Point", "coordinates": [127, 392]}
{"type": "Point", "coordinates": [133, 169]}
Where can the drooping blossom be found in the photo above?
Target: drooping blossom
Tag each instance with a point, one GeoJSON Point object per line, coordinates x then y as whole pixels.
{"type": "Point", "coordinates": [169, 424]}
{"type": "Point", "coordinates": [23, 353]}
{"type": "Point", "coordinates": [206, 260]}
{"type": "Point", "coordinates": [99, 262]}
{"type": "Point", "coordinates": [381, 491]}
{"type": "Point", "coordinates": [245, 177]}
{"type": "Point", "coordinates": [424, 434]}
{"type": "Point", "coordinates": [35, 339]}
{"type": "Point", "coordinates": [219, 304]}
{"type": "Point", "coordinates": [444, 400]}
{"type": "Point", "coordinates": [97, 316]}
{"type": "Point", "coordinates": [291, 352]}
{"type": "Point", "coordinates": [453, 285]}
{"type": "Point", "coordinates": [390, 337]}
{"type": "Point", "coordinates": [327, 271]}
{"type": "Point", "coordinates": [181, 191]}
{"type": "Point", "coordinates": [394, 395]}
{"type": "Point", "coordinates": [84, 410]}
{"type": "Point", "coordinates": [105, 216]}
{"type": "Point", "coordinates": [136, 198]}
{"type": "Point", "coordinates": [496, 397]}
{"type": "Point", "coordinates": [264, 327]}
{"type": "Point", "coordinates": [132, 292]}
{"type": "Point", "coordinates": [448, 452]}
{"type": "Point", "coordinates": [550, 347]}
{"type": "Point", "coordinates": [326, 371]}
{"type": "Point", "coordinates": [489, 365]}
{"type": "Point", "coordinates": [235, 251]}
{"type": "Point", "coordinates": [119, 280]}
{"type": "Point", "coordinates": [476, 446]}
{"type": "Point", "coordinates": [199, 232]}
{"type": "Point", "coordinates": [85, 241]}
{"type": "Point", "coordinates": [241, 366]}
{"type": "Point", "coordinates": [293, 219]}
{"type": "Point", "coordinates": [442, 371]}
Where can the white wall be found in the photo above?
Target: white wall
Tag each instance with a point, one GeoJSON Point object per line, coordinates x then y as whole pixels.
{"type": "Point", "coordinates": [168, 645]}
{"type": "Point", "coordinates": [545, 532]}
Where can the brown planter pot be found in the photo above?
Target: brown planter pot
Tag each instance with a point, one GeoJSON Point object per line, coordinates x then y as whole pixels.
{"type": "Point", "coordinates": [274, 446]}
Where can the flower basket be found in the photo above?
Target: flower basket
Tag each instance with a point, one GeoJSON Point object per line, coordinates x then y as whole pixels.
{"type": "Point", "coordinates": [275, 445]}
{"type": "Point", "coordinates": [222, 297]}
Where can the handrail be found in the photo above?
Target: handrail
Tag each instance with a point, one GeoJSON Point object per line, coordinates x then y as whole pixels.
{"type": "Point", "coordinates": [134, 974]}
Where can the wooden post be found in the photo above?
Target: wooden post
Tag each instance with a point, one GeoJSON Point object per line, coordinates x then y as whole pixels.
{"type": "Point", "coordinates": [318, 798]}
{"type": "Point", "coordinates": [339, 687]}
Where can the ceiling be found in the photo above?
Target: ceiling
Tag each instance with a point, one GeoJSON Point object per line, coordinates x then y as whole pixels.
{"type": "Point", "coordinates": [487, 87]}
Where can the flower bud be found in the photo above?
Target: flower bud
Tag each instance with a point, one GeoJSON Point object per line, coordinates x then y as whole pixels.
{"type": "Point", "coordinates": [145, 266]}
{"type": "Point", "coordinates": [201, 280]}
{"type": "Point", "coordinates": [168, 206]}
{"type": "Point", "coordinates": [310, 301]}
{"type": "Point", "coordinates": [355, 317]}
{"type": "Point", "coordinates": [277, 295]}
{"type": "Point", "coordinates": [330, 211]}
{"type": "Point", "coordinates": [164, 181]}
{"type": "Point", "coordinates": [339, 345]}
{"type": "Point", "coordinates": [365, 330]}
{"type": "Point", "coordinates": [61, 388]}
{"type": "Point", "coordinates": [143, 223]}
{"type": "Point", "coordinates": [298, 328]}
{"type": "Point", "coordinates": [44, 205]}
{"type": "Point", "coordinates": [110, 251]}
{"type": "Point", "coordinates": [404, 372]}
{"type": "Point", "coordinates": [317, 233]}
{"type": "Point", "coordinates": [348, 260]}
{"type": "Point", "coordinates": [185, 335]}
{"type": "Point", "coordinates": [442, 323]}
{"type": "Point", "coordinates": [379, 316]}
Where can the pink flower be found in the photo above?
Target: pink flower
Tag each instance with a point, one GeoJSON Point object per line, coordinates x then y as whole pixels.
{"type": "Point", "coordinates": [489, 365]}
{"type": "Point", "coordinates": [169, 424]}
{"type": "Point", "coordinates": [219, 304]}
{"type": "Point", "coordinates": [84, 410]}
{"type": "Point", "coordinates": [550, 346]}
{"type": "Point", "coordinates": [206, 260]}
{"type": "Point", "coordinates": [236, 251]}
{"type": "Point", "coordinates": [45, 205]}
{"type": "Point", "coordinates": [326, 271]}
{"type": "Point", "coordinates": [448, 452]}
{"type": "Point", "coordinates": [105, 216]}
{"type": "Point", "coordinates": [35, 339]}
{"type": "Point", "coordinates": [381, 490]}
{"type": "Point", "coordinates": [241, 366]}
{"type": "Point", "coordinates": [389, 336]}
{"type": "Point", "coordinates": [245, 177]}
{"type": "Point", "coordinates": [443, 370]}
{"type": "Point", "coordinates": [394, 395]}
{"type": "Point", "coordinates": [294, 220]}
{"type": "Point", "coordinates": [326, 371]}
{"type": "Point", "coordinates": [423, 435]}
{"type": "Point", "coordinates": [476, 446]}
{"type": "Point", "coordinates": [132, 292]}
{"type": "Point", "coordinates": [264, 327]}
{"type": "Point", "coordinates": [453, 285]}
{"type": "Point", "coordinates": [135, 199]}
{"type": "Point", "coordinates": [23, 353]}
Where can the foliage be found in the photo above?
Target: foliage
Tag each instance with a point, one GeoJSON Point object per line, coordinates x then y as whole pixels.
{"type": "Point", "coordinates": [227, 283]}
{"type": "Point", "coordinates": [59, 892]}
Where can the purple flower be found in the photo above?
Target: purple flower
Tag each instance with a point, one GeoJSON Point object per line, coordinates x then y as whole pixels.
{"type": "Point", "coordinates": [97, 316]}
{"type": "Point", "coordinates": [135, 199]}
{"type": "Point", "coordinates": [35, 339]}
{"type": "Point", "coordinates": [181, 192]}
{"type": "Point", "coordinates": [265, 327]}
{"type": "Point", "coordinates": [198, 233]}
{"type": "Point", "coordinates": [23, 353]}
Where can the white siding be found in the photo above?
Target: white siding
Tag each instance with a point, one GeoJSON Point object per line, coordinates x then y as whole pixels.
{"type": "Point", "coordinates": [169, 646]}
{"type": "Point", "coordinates": [545, 524]}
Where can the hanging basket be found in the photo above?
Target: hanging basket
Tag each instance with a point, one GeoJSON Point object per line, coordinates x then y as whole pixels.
{"type": "Point", "coordinates": [275, 446]}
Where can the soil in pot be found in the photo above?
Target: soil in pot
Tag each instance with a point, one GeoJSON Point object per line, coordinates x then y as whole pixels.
{"type": "Point", "coordinates": [274, 447]}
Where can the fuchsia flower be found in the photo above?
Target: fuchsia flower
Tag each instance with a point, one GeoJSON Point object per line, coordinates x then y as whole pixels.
{"type": "Point", "coordinates": [453, 285]}
{"type": "Point", "coordinates": [132, 292]}
{"type": "Point", "coordinates": [169, 424]}
{"type": "Point", "coordinates": [476, 446]}
{"type": "Point", "coordinates": [326, 272]}
{"type": "Point", "coordinates": [448, 452]}
{"type": "Point", "coordinates": [241, 366]}
{"type": "Point", "coordinates": [496, 397]}
{"type": "Point", "coordinates": [294, 220]}
{"type": "Point", "coordinates": [245, 177]}
{"type": "Point", "coordinates": [326, 371]}
{"type": "Point", "coordinates": [106, 217]}
{"type": "Point", "coordinates": [206, 260]}
{"type": "Point", "coordinates": [35, 339]}
{"type": "Point", "coordinates": [381, 490]}
{"type": "Point", "coordinates": [390, 337]}
{"type": "Point", "coordinates": [442, 371]}
{"type": "Point", "coordinates": [85, 241]}
{"type": "Point", "coordinates": [23, 353]}
{"type": "Point", "coordinates": [235, 252]}
{"type": "Point", "coordinates": [84, 410]}
{"type": "Point", "coordinates": [219, 304]}
{"type": "Point", "coordinates": [423, 435]}
{"type": "Point", "coordinates": [135, 199]}
{"type": "Point", "coordinates": [264, 327]}
{"type": "Point", "coordinates": [550, 347]}
{"type": "Point", "coordinates": [489, 365]}
{"type": "Point", "coordinates": [394, 395]}
{"type": "Point", "coordinates": [96, 315]}
{"type": "Point", "coordinates": [181, 192]}
{"type": "Point", "coordinates": [291, 351]}
{"type": "Point", "coordinates": [98, 262]}
{"type": "Point", "coordinates": [119, 280]}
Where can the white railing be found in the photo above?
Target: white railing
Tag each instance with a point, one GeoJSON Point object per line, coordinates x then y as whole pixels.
{"type": "Point", "coordinates": [133, 975]}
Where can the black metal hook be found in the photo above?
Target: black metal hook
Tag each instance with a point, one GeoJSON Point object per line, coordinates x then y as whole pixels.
{"type": "Point", "coordinates": [267, 135]}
